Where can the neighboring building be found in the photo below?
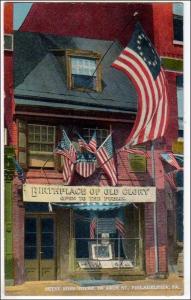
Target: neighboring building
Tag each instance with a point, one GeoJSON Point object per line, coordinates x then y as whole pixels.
{"type": "Point", "coordinates": [9, 153]}
{"type": "Point", "coordinates": [54, 90]}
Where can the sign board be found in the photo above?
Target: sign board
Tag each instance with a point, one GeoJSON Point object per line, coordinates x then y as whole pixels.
{"type": "Point", "coordinates": [84, 194]}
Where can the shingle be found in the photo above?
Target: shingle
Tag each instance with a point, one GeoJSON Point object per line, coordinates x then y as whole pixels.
{"type": "Point", "coordinates": [38, 74]}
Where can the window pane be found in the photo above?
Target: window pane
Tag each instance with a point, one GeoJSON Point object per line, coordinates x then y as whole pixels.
{"type": "Point", "coordinates": [178, 28]}
{"type": "Point", "coordinates": [80, 81]}
{"type": "Point", "coordinates": [179, 83]}
{"type": "Point", "coordinates": [83, 66]}
{"type": "Point", "coordinates": [30, 253]}
{"type": "Point", "coordinates": [178, 9]}
{"type": "Point", "coordinates": [30, 225]}
{"type": "Point", "coordinates": [47, 239]}
{"type": "Point", "coordinates": [30, 239]}
{"type": "Point", "coordinates": [47, 252]}
{"type": "Point", "coordinates": [47, 225]}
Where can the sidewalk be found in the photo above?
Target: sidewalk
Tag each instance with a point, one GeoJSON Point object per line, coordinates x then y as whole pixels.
{"type": "Point", "coordinates": [173, 286]}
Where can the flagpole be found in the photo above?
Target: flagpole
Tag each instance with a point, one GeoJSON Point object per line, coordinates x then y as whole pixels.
{"type": "Point", "coordinates": [154, 210]}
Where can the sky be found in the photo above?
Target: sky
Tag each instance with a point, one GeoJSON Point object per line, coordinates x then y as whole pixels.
{"type": "Point", "coordinates": [20, 12]}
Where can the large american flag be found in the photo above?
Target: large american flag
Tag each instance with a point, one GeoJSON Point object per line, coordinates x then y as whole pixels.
{"type": "Point", "coordinates": [91, 146]}
{"type": "Point", "coordinates": [170, 159]}
{"type": "Point", "coordinates": [66, 149]}
{"type": "Point", "coordinates": [93, 228]}
{"type": "Point", "coordinates": [86, 164]}
{"type": "Point", "coordinates": [140, 62]}
{"type": "Point", "coordinates": [105, 158]}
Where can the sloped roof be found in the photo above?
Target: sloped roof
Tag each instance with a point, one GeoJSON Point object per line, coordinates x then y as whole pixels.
{"type": "Point", "coordinates": [40, 80]}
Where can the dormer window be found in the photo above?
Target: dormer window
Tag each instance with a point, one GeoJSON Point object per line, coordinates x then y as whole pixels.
{"type": "Point", "coordinates": [83, 70]}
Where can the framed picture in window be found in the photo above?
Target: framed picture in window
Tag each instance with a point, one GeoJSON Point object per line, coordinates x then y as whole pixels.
{"type": "Point", "coordinates": [101, 251]}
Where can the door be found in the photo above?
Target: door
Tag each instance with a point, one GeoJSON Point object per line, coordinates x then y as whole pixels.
{"type": "Point", "coordinates": [40, 248]}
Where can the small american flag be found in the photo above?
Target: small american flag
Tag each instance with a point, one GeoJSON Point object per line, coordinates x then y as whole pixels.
{"type": "Point", "coordinates": [93, 224]}
{"type": "Point", "coordinates": [68, 152]}
{"type": "Point", "coordinates": [169, 177]}
{"type": "Point", "coordinates": [170, 158]}
{"type": "Point", "coordinates": [92, 146]}
{"type": "Point", "coordinates": [105, 157]}
{"type": "Point", "coordinates": [140, 62]}
{"type": "Point", "coordinates": [120, 227]}
{"type": "Point", "coordinates": [86, 164]}
{"type": "Point", "coordinates": [20, 172]}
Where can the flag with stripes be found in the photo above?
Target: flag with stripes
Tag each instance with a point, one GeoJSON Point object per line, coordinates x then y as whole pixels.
{"type": "Point", "coordinates": [105, 158]}
{"type": "Point", "coordinates": [68, 152]}
{"type": "Point", "coordinates": [20, 172]}
{"type": "Point", "coordinates": [141, 63]}
{"type": "Point", "coordinates": [91, 146]}
{"type": "Point", "coordinates": [169, 157]}
{"type": "Point", "coordinates": [93, 224]}
{"type": "Point", "coordinates": [169, 177]}
{"type": "Point", "coordinates": [136, 151]}
{"type": "Point", "coordinates": [86, 164]}
{"type": "Point", "coordinates": [120, 226]}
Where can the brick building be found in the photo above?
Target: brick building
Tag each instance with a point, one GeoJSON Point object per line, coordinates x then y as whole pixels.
{"type": "Point", "coordinates": [53, 241]}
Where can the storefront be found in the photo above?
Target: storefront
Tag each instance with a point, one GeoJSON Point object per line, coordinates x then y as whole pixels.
{"type": "Point", "coordinates": [69, 235]}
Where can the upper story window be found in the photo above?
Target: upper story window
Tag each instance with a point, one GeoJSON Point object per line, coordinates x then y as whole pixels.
{"type": "Point", "coordinates": [36, 144]}
{"type": "Point", "coordinates": [41, 144]}
{"type": "Point", "coordinates": [180, 97]}
{"type": "Point", "coordinates": [101, 134]}
{"type": "Point", "coordinates": [83, 70]}
{"type": "Point", "coordinates": [178, 22]}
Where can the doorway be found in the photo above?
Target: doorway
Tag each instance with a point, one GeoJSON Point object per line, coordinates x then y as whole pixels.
{"type": "Point", "coordinates": [40, 247]}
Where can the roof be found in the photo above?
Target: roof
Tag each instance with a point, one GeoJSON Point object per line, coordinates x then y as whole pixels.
{"type": "Point", "coordinates": [40, 80]}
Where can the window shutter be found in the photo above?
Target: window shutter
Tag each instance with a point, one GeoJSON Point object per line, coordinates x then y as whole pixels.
{"type": "Point", "coordinates": [58, 161]}
{"type": "Point", "coordinates": [22, 143]}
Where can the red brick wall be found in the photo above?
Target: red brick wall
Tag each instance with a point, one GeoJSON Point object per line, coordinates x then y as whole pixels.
{"type": "Point", "coordinates": [172, 130]}
{"type": "Point", "coordinates": [91, 20]}
{"type": "Point", "coordinates": [125, 178]}
{"type": "Point", "coordinates": [163, 31]}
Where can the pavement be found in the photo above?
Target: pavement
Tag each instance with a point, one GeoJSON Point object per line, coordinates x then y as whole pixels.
{"type": "Point", "coordinates": [172, 286]}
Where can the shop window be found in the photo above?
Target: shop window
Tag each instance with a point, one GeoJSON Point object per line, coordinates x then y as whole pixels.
{"type": "Point", "coordinates": [108, 248]}
{"type": "Point", "coordinates": [137, 163]}
{"type": "Point", "coordinates": [83, 70]}
{"type": "Point", "coordinates": [178, 21]}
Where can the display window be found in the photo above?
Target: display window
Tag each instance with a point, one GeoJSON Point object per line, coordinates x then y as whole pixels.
{"type": "Point", "coordinates": [108, 239]}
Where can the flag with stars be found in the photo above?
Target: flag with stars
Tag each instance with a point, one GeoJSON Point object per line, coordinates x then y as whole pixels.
{"type": "Point", "coordinates": [171, 160]}
{"type": "Point", "coordinates": [141, 63]}
{"type": "Point", "coordinates": [86, 164]}
{"type": "Point", "coordinates": [66, 149]}
{"type": "Point", "coordinates": [105, 158]}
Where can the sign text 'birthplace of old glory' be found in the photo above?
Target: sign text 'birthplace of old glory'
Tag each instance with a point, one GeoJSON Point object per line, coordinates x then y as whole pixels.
{"type": "Point", "coordinates": [83, 194]}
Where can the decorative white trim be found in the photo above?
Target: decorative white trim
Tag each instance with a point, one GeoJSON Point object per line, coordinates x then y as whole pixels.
{"type": "Point", "coordinates": [175, 42]}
